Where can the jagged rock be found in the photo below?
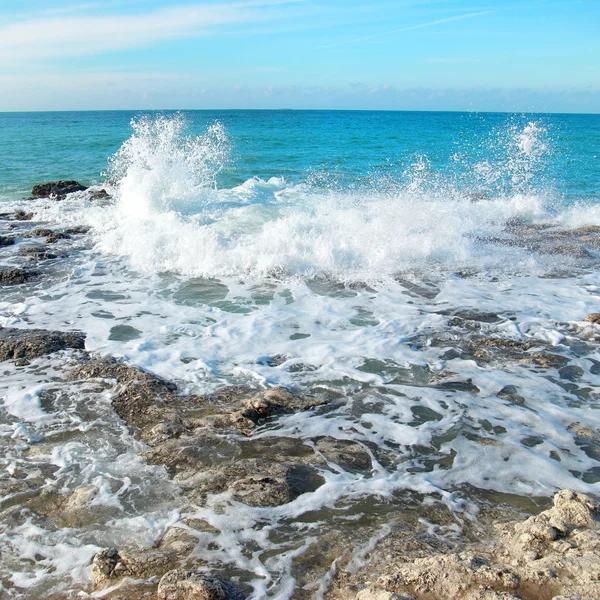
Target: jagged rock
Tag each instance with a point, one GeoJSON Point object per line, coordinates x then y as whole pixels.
{"type": "Point", "coordinates": [57, 189]}
{"type": "Point", "coordinates": [14, 276]}
{"type": "Point", "coordinates": [31, 343]}
{"type": "Point", "coordinates": [6, 240]}
{"type": "Point", "coordinates": [37, 253]}
{"type": "Point", "coordinates": [180, 584]}
{"type": "Point", "coordinates": [593, 318]}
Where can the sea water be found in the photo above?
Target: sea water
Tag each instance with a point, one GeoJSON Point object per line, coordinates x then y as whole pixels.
{"type": "Point", "coordinates": [345, 254]}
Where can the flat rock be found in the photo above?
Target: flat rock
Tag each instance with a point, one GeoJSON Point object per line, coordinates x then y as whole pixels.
{"type": "Point", "coordinates": [31, 343]}
{"type": "Point", "coordinates": [57, 189]}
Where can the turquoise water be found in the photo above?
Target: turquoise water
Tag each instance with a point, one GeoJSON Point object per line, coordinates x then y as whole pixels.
{"type": "Point", "coordinates": [341, 148]}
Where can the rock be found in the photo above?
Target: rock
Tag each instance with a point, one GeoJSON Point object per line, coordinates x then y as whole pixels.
{"type": "Point", "coordinates": [14, 276]}
{"type": "Point", "coordinates": [6, 240]}
{"type": "Point", "coordinates": [41, 232]}
{"type": "Point", "coordinates": [57, 189]}
{"type": "Point", "coordinates": [31, 343]}
{"type": "Point", "coordinates": [110, 564]}
{"type": "Point", "coordinates": [77, 230]}
{"type": "Point", "coordinates": [37, 253]}
{"type": "Point", "coordinates": [99, 195]}
{"type": "Point", "coordinates": [57, 235]}
{"type": "Point", "coordinates": [593, 318]}
{"type": "Point", "coordinates": [21, 215]}
{"type": "Point", "coordinates": [180, 584]}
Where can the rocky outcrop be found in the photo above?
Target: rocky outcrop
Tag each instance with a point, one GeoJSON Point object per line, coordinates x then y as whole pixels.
{"type": "Point", "coordinates": [593, 318]}
{"type": "Point", "coordinates": [552, 555]}
{"type": "Point", "coordinates": [31, 343]}
{"type": "Point", "coordinates": [57, 189]}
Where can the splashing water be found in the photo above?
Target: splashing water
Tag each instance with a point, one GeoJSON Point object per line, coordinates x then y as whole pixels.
{"type": "Point", "coordinates": [159, 168]}
{"type": "Point", "coordinates": [176, 219]}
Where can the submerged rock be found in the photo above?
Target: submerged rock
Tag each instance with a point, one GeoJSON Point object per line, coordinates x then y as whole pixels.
{"type": "Point", "coordinates": [6, 240]}
{"type": "Point", "coordinates": [57, 189]}
{"type": "Point", "coordinates": [31, 343]}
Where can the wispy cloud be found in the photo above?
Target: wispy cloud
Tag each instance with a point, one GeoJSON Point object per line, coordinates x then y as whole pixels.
{"type": "Point", "coordinates": [46, 36]}
{"type": "Point", "coordinates": [410, 28]}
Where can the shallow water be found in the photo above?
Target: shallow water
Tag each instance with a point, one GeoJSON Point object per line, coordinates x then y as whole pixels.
{"type": "Point", "coordinates": [316, 251]}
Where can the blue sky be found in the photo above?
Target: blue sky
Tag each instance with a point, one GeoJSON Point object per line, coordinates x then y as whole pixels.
{"type": "Point", "coordinates": [404, 54]}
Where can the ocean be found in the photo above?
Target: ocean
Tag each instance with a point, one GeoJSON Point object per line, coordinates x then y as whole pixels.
{"type": "Point", "coordinates": [424, 276]}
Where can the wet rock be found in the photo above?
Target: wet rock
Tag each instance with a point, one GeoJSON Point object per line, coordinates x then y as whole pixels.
{"type": "Point", "coordinates": [259, 408]}
{"type": "Point", "coordinates": [180, 584]}
{"type": "Point", "coordinates": [571, 373]}
{"type": "Point", "coordinates": [142, 400]}
{"type": "Point", "coordinates": [56, 189]}
{"type": "Point", "coordinates": [31, 343]}
{"type": "Point", "coordinates": [99, 195]}
{"type": "Point", "coordinates": [593, 318]}
{"type": "Point", "coordinates": [37, 253]}
{"type": "Point", "coordinates": [77, 230]}
{"type": "Point", "coordinates": [57, 235]}
{"type": "Point", "coordinates": [254, 482]}
{"type": "Point", "coordinates": [6, 240]}
{"type": "Point", "coordinates": [349, 455]}
{"type": "Point", "coordinates": [14, 276]}
{"type": "Point", "coordinates": [21, 215]}
{"type": "Point", "coordinates": [486, 350]}
{"type": "Point", "coordinates": [41, 232]}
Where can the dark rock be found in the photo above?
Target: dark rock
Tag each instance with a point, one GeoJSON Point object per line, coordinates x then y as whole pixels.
{"type": "Point", "coordinates": [14, 276]}
{"type": "Point", "coordinates": [21, 215]}
{"type": "Point", "coordinates": [99, 195]}
{"type": "Point", "coordinates": [31, 343]}
{"type": "Point", "coordinates": [57, 189]}
{"type": "Point", "coordinates": [180, 584]}
{"type": "Point", "coordinates": [77, 230]}
{"type": "Point", "coordinates": [57, 235]}
{"type": "Point", "coordinates": [37, 253]}
{"type": "Point", "coordinates": [6, 240]}
{"type": "Point", "coordinates": [41, 232]}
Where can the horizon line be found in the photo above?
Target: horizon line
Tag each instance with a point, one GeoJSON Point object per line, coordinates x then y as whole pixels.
{"type": "Point", "coordinates": [407, 110]}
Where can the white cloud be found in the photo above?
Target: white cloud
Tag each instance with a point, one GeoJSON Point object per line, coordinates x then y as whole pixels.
{"type": "Point", "coordinates": [50, 37]}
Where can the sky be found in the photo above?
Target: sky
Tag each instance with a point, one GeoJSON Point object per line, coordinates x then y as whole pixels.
{"type": "Point", "coordinates": [498, 55]}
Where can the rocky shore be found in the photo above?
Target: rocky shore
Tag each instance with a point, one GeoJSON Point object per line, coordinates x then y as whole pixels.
{"type": "Point", "coordinates": [227, 443]}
